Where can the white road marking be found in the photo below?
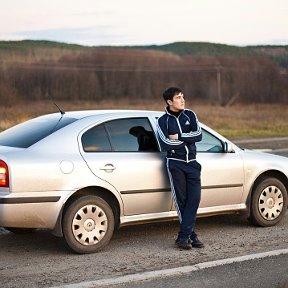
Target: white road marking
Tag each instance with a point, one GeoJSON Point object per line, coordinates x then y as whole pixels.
{"type": "Point", "coordinates": [171, 272]}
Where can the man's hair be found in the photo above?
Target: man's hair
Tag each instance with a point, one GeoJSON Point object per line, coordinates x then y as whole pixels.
{"type": "Point", "coordinates": [170, 93]}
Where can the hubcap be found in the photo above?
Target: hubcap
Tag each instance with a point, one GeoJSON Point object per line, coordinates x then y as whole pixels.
{"type": "Point", "coordinates": [270, 202]}
{"type": "Point", "coordinates": [89, 225]}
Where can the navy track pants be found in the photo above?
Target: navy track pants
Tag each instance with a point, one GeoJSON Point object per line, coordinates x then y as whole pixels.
{"type": "Point", "coordinates": [186, 189]}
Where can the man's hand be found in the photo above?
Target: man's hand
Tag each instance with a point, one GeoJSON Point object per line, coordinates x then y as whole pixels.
{"type": "Point", "coordinates": [173, 137]}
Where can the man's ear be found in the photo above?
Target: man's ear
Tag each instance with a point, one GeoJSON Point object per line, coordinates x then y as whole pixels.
{"type": "Point", "coordinates": [169, 102]}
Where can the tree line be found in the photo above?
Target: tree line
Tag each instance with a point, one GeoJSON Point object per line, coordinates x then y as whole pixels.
{"type": "Point", "coordinates": [76, 73]}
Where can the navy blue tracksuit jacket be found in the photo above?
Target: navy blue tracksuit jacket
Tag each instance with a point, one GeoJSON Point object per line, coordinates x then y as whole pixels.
{"type": "Point", "coordinates": [183, 169]}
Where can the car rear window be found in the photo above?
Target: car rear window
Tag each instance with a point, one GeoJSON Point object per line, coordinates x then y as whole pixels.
{"type": "Point", "coordinates": [28, 133]}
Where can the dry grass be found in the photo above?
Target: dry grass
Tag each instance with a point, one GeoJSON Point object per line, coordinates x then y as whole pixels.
{"type": "Point", "coordinates": [238, 121]}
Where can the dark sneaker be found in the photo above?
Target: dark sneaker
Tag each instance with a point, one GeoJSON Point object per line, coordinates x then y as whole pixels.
{"type": "Point", "coordinates": [196, 243]}
{"type": "Point", "coordinates": [186, 245]}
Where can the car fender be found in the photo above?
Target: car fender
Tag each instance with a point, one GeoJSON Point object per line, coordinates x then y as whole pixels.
{"type": "Point", "coordinates": [255, 165]}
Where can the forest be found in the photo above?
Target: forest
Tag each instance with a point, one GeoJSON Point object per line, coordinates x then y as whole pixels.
{"type": "Point", "coordinates": [206, 72]}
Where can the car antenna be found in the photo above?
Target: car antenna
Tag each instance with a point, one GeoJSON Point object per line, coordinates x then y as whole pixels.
{"type": "Point", "coordinates": [61, 111]}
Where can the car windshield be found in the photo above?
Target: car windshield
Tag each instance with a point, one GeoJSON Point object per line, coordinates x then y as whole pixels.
{"type": "Point", "coordinates": [28, 133]}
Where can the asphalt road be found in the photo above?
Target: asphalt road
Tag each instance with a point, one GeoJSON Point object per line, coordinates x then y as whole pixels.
{"type": "Point", "coordinates": [276, 145]}
{"type": "Point", "coordinates": [260, 273]}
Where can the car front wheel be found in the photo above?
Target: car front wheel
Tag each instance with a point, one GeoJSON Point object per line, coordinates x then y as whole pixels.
{"type": "Point", "coordinates": [269, 202]}
{"type": "Point", "coordinates": [88, 224]}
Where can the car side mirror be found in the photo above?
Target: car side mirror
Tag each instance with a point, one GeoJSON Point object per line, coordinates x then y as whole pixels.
{"type": "Point", "coordinates": [228, 148]}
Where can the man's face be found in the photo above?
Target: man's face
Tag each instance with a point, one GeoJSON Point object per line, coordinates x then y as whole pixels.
{"type": "Point", "coordinates": [178, 103]}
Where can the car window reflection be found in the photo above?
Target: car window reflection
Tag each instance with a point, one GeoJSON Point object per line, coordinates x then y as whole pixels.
{"type": "Point", "coordinates": [146, 139]}
{"type": "Point", "coordinates": [96, 140]}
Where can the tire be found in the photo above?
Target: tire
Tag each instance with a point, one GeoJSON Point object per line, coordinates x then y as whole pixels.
{"type": "Point", "coordinates": [20, 230]}
{"type": "Point", "coordinates": [88, 224]}
{"type": "Point", "coordinates": [268, 203]}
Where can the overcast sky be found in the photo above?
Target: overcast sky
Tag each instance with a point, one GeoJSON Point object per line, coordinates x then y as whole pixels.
{"type": "Point", "coordinates": [132, 22]}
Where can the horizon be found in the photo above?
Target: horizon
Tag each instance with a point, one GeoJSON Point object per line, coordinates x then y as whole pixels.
{"type": "Point", "coordinates": [148, 45]}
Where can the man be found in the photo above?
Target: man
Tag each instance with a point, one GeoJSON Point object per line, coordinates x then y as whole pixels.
{"type": "Point", "coordinates": [178, 130]}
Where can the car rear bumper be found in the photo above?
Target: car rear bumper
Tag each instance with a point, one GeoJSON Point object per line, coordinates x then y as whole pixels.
{"type": "Point", "coordinates": [26, 211]}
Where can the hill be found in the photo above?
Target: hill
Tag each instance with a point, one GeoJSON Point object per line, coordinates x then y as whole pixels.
{"type": "Point", "coordinates": [278, 54]}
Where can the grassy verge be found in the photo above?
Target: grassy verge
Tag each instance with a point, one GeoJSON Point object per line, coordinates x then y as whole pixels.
{"type": "Point", "coordinates": [238, 121]}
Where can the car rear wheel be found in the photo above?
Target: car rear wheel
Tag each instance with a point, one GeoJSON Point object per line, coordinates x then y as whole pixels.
{"type": "Point", "coordinates": [269, 202]}
{"type": "Point", "coordinates": [88, 224]}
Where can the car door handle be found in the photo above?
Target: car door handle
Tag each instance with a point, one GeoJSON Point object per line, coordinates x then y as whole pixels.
{"type": "Point", "coordinates": [108, 168]}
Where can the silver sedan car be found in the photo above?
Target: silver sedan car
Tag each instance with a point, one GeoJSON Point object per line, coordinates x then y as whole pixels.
{"type": "Point", "coordinates": [84, 174]}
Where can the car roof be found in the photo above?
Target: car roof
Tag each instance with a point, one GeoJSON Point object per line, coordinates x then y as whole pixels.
{"type": "Point", "coordinates": [106, 112]}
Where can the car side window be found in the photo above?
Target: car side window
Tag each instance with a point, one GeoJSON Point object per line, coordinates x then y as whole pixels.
{"type": "Point", "coordinates": [209, 143]}
{"type": "Point", "coordinates": [121, 135]}
{"type": "Point", "coordinates": [131, 135]}
{"type": "Point", "coordinates": [96, 140]}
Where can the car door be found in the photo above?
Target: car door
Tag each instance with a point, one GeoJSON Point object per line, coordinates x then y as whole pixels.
{"type": "Point", "coordinates": [125, 153]}
{"type": "Point", "coordinates": [222, 174]}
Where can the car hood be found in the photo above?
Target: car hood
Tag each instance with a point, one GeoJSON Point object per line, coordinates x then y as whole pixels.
{"type": "Point", "coordinates": [270, 160]}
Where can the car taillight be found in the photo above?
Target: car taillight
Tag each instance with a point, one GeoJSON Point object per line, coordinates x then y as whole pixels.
{"type": "Point", "coordinates": [4, 176]}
